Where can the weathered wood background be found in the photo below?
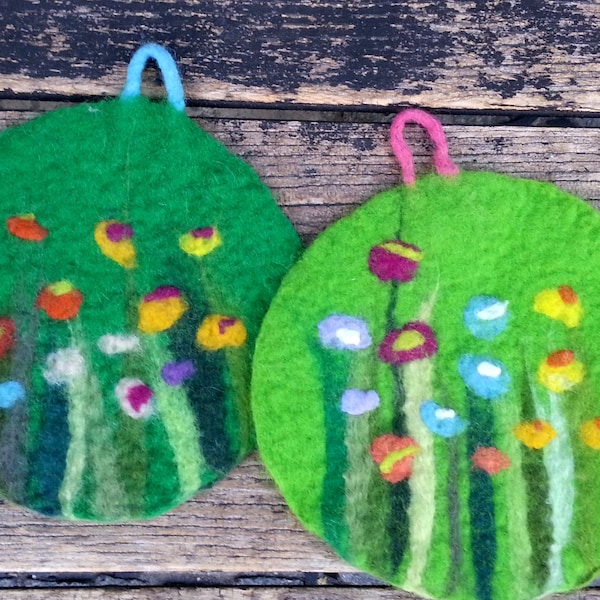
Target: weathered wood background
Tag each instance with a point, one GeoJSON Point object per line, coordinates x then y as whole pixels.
{"type": "Point", "coordinates": [304, 91]}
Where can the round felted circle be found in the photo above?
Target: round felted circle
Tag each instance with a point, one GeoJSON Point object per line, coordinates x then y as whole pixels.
{"type": "Point", "coordinates": [425, 388]}
{"type": "Point", "coordinates": [138, 258]}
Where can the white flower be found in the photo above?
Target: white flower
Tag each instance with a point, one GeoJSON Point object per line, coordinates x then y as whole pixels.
{"type": "Point", "coordinates": [119, 344]}
{"type": "Point", "coordinates": [63, 366]}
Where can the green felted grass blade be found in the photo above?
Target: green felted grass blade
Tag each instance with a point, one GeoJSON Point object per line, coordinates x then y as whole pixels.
{"type": "Point", "coordinates": [138, 258]}
{"type": "Point", "coordinates": [426, 388]}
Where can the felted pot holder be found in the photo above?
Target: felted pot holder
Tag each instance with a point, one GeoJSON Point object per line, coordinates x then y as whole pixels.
{"type": "Point", "coordinates": [138, 258]}
{"type": "Point", "coordinates": [425, 386]}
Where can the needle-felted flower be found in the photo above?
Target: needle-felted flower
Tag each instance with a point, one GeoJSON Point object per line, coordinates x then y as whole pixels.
{"type": "Point", "coordinates": [26, 227]}
{"type": "Point", "coordinates": [394, 455]}
{"type": "Point", "coordinates": [63, 366]}
{"type": "Point", "coordinates": [485, 376]}
{"type": "Point", "coordinates": [561, 371]}
{"type": "Point", "coordinates": [441, 421]}
{"type": "Point", "coordinates": [491, 460]}
{"type": "Point", "coordinates": [134, 397]}
{"type": "Point", "coordinates": [560, 303]}
{"type": "Point", "coordinates": [535, 434]}
{"type": "Point", "coordinates": [161, 309]}
{"type": "Point", "coordinates": [344, 332]}
{"type": "Point", "coordinates": [175, 373]}
{"type": "Point", "coordinates": [119, 344]}
{"type": "Point", "coordinates": [357, 402]}
{"type": "Point", "coordinates": [8, 335]}
{"type": "Point", "coordinates": [486, 317]}
{"type": "Point", "coordinates": [414, 341]}
{"type": "Point", "coordinates": [60, 300]}
{"type": "Point", "coordinates": [115, 241]}
{"type": "Point", "coordinates": [395, 261]}
{"type": "Point", "coordinates": [590, 433]}
{"type": "Point", "coordinates": [11, 392]}
{"type": "Point", "coordinates": [201, 241]}
{"type": "Point", "coordinates": [220, 331]}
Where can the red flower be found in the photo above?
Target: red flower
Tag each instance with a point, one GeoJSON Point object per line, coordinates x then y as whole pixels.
{"type": "Point", "coordinates": [414, 341]}
{"type": "Point", "coordinates": [491, 460]}
{"type": "Point", "coordinates": [8, 335]}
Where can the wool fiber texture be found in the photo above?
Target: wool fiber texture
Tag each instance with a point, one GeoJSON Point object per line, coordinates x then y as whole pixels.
{"type": "Point", "coordinates": [124, 227]}
{"type": "Point", "coordinates": [425, 388]}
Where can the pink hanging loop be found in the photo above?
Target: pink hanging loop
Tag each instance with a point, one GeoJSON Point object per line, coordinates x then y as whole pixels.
{"type": "Point", "coordinates": [441, 159]}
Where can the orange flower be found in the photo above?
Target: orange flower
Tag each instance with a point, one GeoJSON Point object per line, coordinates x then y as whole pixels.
{"type": "Point", "coordinates": [26, 227]}
{"type": "Point", "coordinates": [394, 455]}
{"type": "Point", "coordinates": [61, 300]}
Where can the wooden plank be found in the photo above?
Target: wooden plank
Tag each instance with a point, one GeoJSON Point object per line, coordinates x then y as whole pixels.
{"type": "Point", "coordinates": [459, 54]}
{"type": "Point", "coordinates": [275, 593]}
{"type": "Point", "coordinates": [319, 171]}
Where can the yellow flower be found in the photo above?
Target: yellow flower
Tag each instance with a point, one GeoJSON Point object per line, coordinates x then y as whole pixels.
{"type": "Point", "coordinates": [115, 242]}
{"type": "Point", "coordinates": [161, 309]}
{"type": "Point", "coordinates": [219, 331]}
{"type": "Point", "coordinates": [560, 303]}
{"type": "Point", "coordinates": [200, 242]}
{"type": "Point", "coordinates": [561, 371]}
{"type": "Point", "coordinates": [536, 434]}
{"type": "Point", "coordinates": [590, 433]}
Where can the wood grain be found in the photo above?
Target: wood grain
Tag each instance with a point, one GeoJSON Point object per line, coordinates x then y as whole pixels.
{"type": "Point", "coordinates": [319, 171]}
{"type": "Point", "coordinates": [450, 54]}
{"type": "Point", "coordinates": [275, 593]}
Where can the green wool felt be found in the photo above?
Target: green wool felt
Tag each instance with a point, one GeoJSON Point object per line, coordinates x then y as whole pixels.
{"type": "Point", "coordinates": [425, 388]}
{"type": "Point", "coordinates": [138, 259]}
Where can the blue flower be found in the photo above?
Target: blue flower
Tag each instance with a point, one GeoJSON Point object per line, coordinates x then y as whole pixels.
{"type": "Point", "coordinates": [357, 402]}
{"type": "Point", "coordinates": [344, 333]}
{"type": "Point", "coordinates": [11, 392]}
{"type": "Point", "coordinates": [485, 376]}
{"type": "Point", "coordinates": [486, 317]}
{"type": "Point", "coordinates": [442, 421]}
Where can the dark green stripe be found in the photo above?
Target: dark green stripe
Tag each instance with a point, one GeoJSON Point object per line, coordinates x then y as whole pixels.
{"type": "Point", "coordinates": [335, 365]}
{"type": "Point", "coordinates": [48, 454]}
{"type": "Point", "coordinates": [398, 524]}
{"type": "Point", "coordinates": [207, 392]}
{"type": "Point", "coordinates": [481, 498]}
{"type": "Point", "coordinates": [539, 513]}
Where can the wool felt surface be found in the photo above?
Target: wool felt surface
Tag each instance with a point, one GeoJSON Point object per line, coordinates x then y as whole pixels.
{"type": "Point", "coordinates": [425, 388]}
{"type": "Point", "coordinates": [138, 259]}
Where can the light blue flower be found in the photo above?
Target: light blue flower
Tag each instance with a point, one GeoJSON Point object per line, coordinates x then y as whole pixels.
{"type": "Point", "coordinates": [486, 317]}
{"type": "Point", "coordinates": [357, 402]}
{"type": "Point", "coordinates": [485, 376]}
{"type": "Point", "coordinates": [442, 421]}
{"type": "Point", "coordinates": [344, 333]}
{"type": "Point", "coordinates": [11, 392]}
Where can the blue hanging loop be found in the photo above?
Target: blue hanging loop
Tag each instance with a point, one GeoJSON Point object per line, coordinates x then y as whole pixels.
{"type": "Point", "coordinates": [168, 68]}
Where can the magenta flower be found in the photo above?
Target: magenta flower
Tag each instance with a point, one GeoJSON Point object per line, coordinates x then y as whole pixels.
{"type": "Point", "coordinates": [395, 261]}
{"type": "Point", "coordinates": [414, 341]}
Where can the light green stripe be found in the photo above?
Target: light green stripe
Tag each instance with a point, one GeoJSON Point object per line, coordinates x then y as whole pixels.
{"type": "Point", "coordinates": [418, 376]}
{"type": "Point", "coordinates": [559, 463]}
{"type": "Point", "coordinates": [358, 481]}
{"type": "Point", "coordinates": [178, 419]}
{"type": "Point", "coordinates": [77, 452]}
